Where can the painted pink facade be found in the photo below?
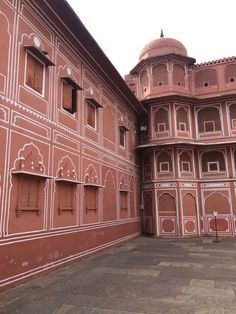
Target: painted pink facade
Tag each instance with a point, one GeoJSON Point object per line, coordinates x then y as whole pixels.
{"type": "Point", "coordinates": [69, 177]}
{"type": "Point", "coordinates": [187, 148]}
{"type": "Point", "coordinates": [76, 141]}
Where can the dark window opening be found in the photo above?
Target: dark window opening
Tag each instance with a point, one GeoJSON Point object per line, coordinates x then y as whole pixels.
{"type": "Point", "coordinates": [91, 115]}
{"type": "Point", "coordinates": [122, 137]}
{"type": "Point", "coordinates": [69, 98]}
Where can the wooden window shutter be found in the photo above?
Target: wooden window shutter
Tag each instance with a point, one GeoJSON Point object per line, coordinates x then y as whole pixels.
{"type": "Point", "coordinates": [91, 115]}
{"type": "Point", "coordinates": [24, 191]}
{"type": "Point", "coordinates": [30, 71]}
{"type": "Point", "coordinates": [33, 193]}
{"type": "Point", "coordinates": [38, 76]}
{"type": "Point", "coordinates": [91, 198]}
{"type": "Point", "coordinates": [67, 96]}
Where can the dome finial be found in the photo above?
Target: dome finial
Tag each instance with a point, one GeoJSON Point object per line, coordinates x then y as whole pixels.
{"type": "Point", "coordinates": [162, 34]}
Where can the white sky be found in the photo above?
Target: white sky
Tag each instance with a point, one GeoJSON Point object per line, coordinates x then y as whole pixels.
{"type": "Point", "coordinates": [207, 28]}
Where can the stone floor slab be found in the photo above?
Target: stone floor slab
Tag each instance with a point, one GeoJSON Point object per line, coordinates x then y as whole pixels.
{"type": "Point", "coordinates": [146, 275]}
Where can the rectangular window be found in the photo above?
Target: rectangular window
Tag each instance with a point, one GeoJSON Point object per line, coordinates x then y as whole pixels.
{"type": "Point", "coordinates": [66, 196]}
{"type": "Point", "coordinates": [91, 115]}
{"type": "Point", "coordinates": [122, 132]}
{"type": "Point", "coordinates": [123, 200]}
{"type": "Point", "coordinates": [185, 166]}
{"type": "Point", "coordinates": [91, 198]}
{"type": "Point", "coordinates": [213, 166]}
{"type": "Point", "coordinates": [28, 194]}
{"type": "Point", "coordinates": [182, 126]}
{"type": "Point", "coordinates": [34, 73]}
{"type": "Point", "coordinates": [161, 127]}
{"type": "Point", "coordinates": [164, 167]}
{"type": "Point", "coordinates": [69, 97]}
{"type": "Point", "coordinates": [209, 126]}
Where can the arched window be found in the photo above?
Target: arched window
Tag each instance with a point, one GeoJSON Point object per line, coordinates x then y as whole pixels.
{"type": "Point", "coordinates": [159, 75]}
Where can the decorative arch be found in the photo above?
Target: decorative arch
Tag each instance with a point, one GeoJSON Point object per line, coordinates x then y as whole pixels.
{"type": "Point", "coordinates": [66, 169]}
{"type": "Point", "coordinates": [161, 119]}
{"type": "Point", "coordinates": [217, 201]}
{"type": "Point", "coordinates": [185, 161]}
{"type": "Point", "coordinates": [205, 78]}
{"type": "Point", "coordinates": [91, 175]}
{"type": "Point", "coordinates": [213, 156]}
{"type": "Point", "coordinates": [144, 80]}
{"type": "Point", "coordinates": [159, 75]}
{"type": "Point", "coordinates": [209, 119]}
{"type": "Point", "coordinates": [182, 118]}
{"type": "Point", "coordinates": [164, 157]}
{"type": "Point", "coordinates": [178, 75]}
{"type": "Point", "coordinates": [109, 197]}
{"type": "Point", "coordinates": [30, 159]}
{"type": "Point", "coordinates": [166, 203]}
{"type": "Point", "coordinates": [189, 205]}
{"type": "Point", "coordinates": [123, 183]}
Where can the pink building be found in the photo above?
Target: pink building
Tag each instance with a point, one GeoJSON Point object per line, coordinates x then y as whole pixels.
{"type": "Point", "coordinates": [69, 178]}
{"type": "Point", "coordinates": [75, 142]}
{"type": "Point", "coordinates": [188, 149]}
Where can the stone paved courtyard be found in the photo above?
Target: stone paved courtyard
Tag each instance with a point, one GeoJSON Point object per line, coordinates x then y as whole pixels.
{"type": "Point", "coordinates": [146, 275]}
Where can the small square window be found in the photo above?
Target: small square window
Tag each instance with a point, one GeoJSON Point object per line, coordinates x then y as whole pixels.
{"type": "Point", "coordinates": [231, 79]}
{"type": "Point", "coordinates": [164, 167]}
{"type": "Point", "coordinates": [185, 166]}
{"type": "Point", "coordinates": [91, 115]}
{"type": "Point", "coordinates": [34, 73]}
{"type": "Point", "coordinates": [179, 84]}
{"type": "Point", "coordinates": [209, 126]}
{"type": "Point", "coordinates": [205, 84]}
{"type": "Point", "coordinates": [182, 126]}
{"type": "Point", "coordinates": [69, 97]}
{"type": "Point", "coordinates": [161, 127]}
{"type": "Point", "coordinates": [213, 166]}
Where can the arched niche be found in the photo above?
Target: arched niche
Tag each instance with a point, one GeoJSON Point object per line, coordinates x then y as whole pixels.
{"type": "Point", "coordinates": [185, 161]}
{"type": "Point", "coordinates": [217, 201]}
{"type": "Point", "coordinates": [109, 197]}
{"type": "Point", "coordinates": [166, 202]}
{"type": "Point", "coordinates": [182, 119]}
{"type": "Point", "coordinates": [205, 78]}
{"type": "Point", "coordinates": [213, 161]}
{"type": "Point", "coordinates": [144, 81]}
{"type": "Point", "coordinates": [161, 120]}
{"type": "Point", "coordinates": [189, 205]}
{"type": "Point", "coordinates": [164, 162]}
{"type": "Point", "coordinates": [159, 75]}
{"type": "Point", "coordinates": [178, 75]}
{"type": "Point", "coordinates": [208, 119]}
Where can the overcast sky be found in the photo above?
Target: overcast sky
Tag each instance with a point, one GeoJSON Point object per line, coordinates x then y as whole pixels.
{"type": "Point", "coordinates": [207, 28]}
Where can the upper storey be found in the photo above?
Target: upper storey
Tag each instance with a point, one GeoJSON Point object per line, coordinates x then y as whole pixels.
{"type": "Point", "coordinates": [165, 68]}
